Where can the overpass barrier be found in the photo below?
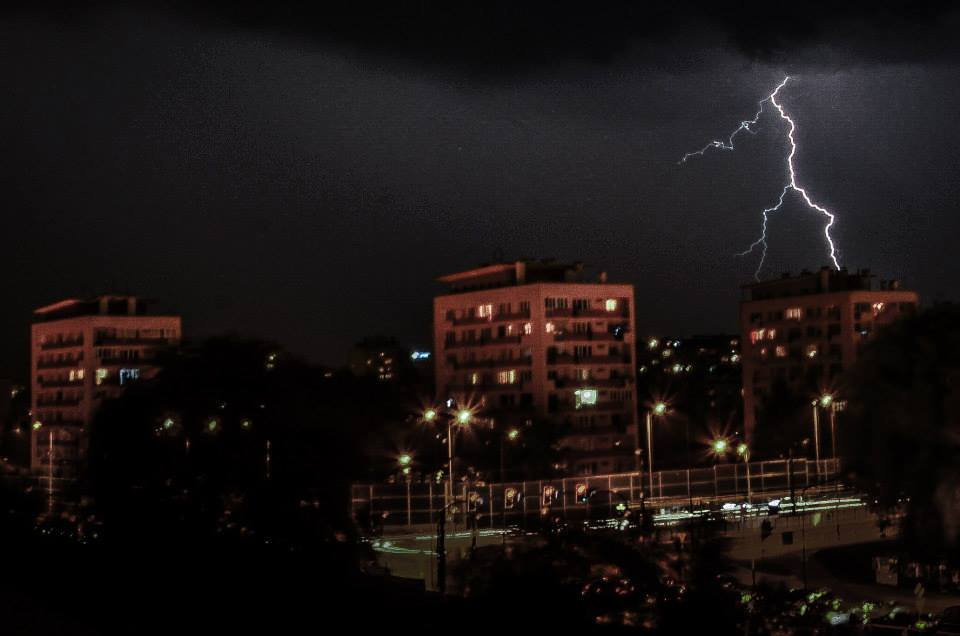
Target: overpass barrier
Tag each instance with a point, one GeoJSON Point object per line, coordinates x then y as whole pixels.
{"type": "Point", "coordinates": [510, 503]}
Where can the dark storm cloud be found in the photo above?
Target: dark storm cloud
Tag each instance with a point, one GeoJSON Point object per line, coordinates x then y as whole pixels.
{"type": "Point", "coordinates": [305, 173]}
{"type": "Point", "coordinates": [504, 35]}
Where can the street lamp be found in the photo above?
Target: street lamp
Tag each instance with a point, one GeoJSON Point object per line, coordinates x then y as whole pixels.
{"type": "Point", "coordinates": [511, 436]}
{"type": "Point", "coordinates": [659, 409]}
{"type": "Point", "coordinates": [461, 417]}
{"type": "Point", "coordinates": [824, 401]}
{"type": "Point", "coordinates": [743, 451]}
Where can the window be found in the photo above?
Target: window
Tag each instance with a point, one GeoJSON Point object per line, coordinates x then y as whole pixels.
{"type": "Point", "coordinates": [581, 304]}
{"type": "Point", "coordinates": [507, 377]}
{"type": "Point", "coordinates": [781, 351]}
{"type": "Point", "coordinates": [474, 378]}
{"type": "Point", "coordinates": [757, 335]}
{"type": "Point", "coordinates": [556, 303]}
{"type": "Point", "coordinates": [527, 328]}
{"type": "Point", "coordinates": [524, 306]}
{"type": "Point", "coordinates": [610, 304]}
{"type": "Point", "coordinates": [485, 311]}
{"type": "Point", "coordinates": [794, 313]}
{"type": "Point", "coordinates": [877, 308]}
{"type": "Point", "coordinates": [771, 334]}
{"type": "Point", "coordinates": [812, 351]}
{"type": "Point", "coordinates": [101, 376]}
{"type": "Point", "coordinates": [550, 328]}
{"type": "Point", "coordinates": [584, 397]}
{"type": "Point", "coordinates": [583, 374]}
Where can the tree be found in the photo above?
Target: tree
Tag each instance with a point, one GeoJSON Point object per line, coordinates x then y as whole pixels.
{"type": "Point", "coordinates": [901, 431]}
{"type": "Point", "coordinates": [233, 439]}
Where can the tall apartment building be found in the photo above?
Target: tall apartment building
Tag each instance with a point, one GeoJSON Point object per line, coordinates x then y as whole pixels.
{"type": "Point", "coordinates": [806, 330]}
{"type": "Point", "coordinates": [528, 339]}
{"type": "Point", "coordinates": [83, 351]}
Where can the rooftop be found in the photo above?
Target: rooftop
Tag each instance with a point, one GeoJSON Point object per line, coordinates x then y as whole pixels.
{"type": "Point", "coordinates": [520, 272]}
{"type": "Point", "coordinates": [826, 280]}
{"type": "Point", "coordinates": [105, 305]}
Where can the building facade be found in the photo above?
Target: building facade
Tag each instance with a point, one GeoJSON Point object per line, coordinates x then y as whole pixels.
{"type": "Point", "coordinates": [82, 352]}
{"type": "Point", "coordinates": [804, 331]}
{"type": "Point", "coordinates": [528, 339]}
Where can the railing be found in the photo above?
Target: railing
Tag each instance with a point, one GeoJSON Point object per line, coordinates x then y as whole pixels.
{"type": "Point", "coordinates": [58, 364]}
{"type": "Point", "coordinates": [410, 504]}
{"type": "Point", "coordinates": [493, 364]}
{"type": "Point", "coordinates": [570, 358]}
{"type": "Point", "coordinates": [587, 313]}
{"type": "Point", "coordinates": [62, 344]}
{"type": "Point", "coordinates": [594, 336]}
{"type": "Point", "coordinates": [482, 342]}
{"type": "Point", "coordinates": [479, 320]}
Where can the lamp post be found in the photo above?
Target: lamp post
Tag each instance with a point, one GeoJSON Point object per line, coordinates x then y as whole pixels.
{"type": "Point", "coordinates": [744, 452]}
{"type": "Point", "coordinates": [825, 401]}
{"type": "Point", "coordinates": [461, 417]}
{"type": "Point", "coordinates": [512, 435]}
{"type": "Point", "coordinates": [659, 409]}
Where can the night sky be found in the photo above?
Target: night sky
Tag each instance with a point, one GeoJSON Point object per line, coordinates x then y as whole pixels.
{"type": "Point", "coordinates": [304, 176]}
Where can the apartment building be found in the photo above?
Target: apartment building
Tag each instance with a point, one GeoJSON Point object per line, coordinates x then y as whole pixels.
{"type": "Point", "coordinates": [531, 339]}
{"type": "Point", "coordinates": [82, 352]}
{"type": "Point", "coordinates": [804, 331]}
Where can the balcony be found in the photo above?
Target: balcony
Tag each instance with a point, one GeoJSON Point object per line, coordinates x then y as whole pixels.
{"type": "Point", "coordinates": [587, 313]}
{"type": "Point", "coordinates": [588, 336]}
{"type": "Point", "coordinates": [64, 401]}
{"type": "Point", "coordinates": [487, 387]}
{"type": "Point", "coordinates": [493, 364]}
{"type": "Point", "coordinates": [134, 342]}
{"type": "Point", "coordinates": [54, 384]}
{"type": "Point", "coordinates": [62, 344]}
{"type": "Point", "coordinates": [58, 364]}
{"type": "Point", "coordinates": [571, 358]}
{"type": "Point", "coordinates": [482, 342]}
{"type": "Point", "coordinates": [593, 383]}
{"type": "Point", "coordinates": [478, 320]}
{"type": "Point", "coordinates": [570, 407]}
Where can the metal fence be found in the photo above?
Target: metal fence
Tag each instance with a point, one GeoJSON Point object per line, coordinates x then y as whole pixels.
{"type": "Point", "coordinates": [508, 503]}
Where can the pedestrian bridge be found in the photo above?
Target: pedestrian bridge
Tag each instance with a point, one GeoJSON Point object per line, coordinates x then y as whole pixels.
{"type": "Point", "coordinates": [377, 507]}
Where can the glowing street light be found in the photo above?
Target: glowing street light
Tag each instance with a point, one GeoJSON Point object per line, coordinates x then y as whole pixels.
{"type": "Point", "coordinates": [405, 459]}
{"type": "Point", "coordinates": [429, 415]}
{"type": "Point", "coordinates": [743, 450]}
{"type": "Point", "coordinates": [719, 446]}
{"type": "Point", "coordinates": [513, 435]}
{"type": "Point", "coordinates": [659, 409]}
{"type": "Point", "coordinates": [464, 416]}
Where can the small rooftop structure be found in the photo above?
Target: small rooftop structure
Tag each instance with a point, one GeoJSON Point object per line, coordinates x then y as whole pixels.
{"type": "Point", "coordinates": [520, 272]}
{"type": "Point", "coordinates": [824, 281]}
{"type": "Point", "coordinates": [105, 305]}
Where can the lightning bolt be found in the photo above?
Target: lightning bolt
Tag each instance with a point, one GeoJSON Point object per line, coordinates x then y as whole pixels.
{"type": "Point", "coordinates": [746, 126]}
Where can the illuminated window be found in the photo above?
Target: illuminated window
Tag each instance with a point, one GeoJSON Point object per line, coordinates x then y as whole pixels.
{"type": "Point", "coordinates": [129, 374]}
{"type": "Point", "coordinates": [527, 328]}
{"type": "Point", "coordinates": [584, 397]}
{"type": "Point", "coordinates": [610, 304]}
{"type": "Point", "coordinates": [812, 351]}
{"type": "Point", "coordinates": [781, 351]}
{"type": "Point", "coordinates": [771, 334]}
{"type": "Point", "coordinates": [507, 377]}
{"type": "Point", "coordinates": [583, 374]}
{"type": "Point", "coordinates": [794, 313]}
{"type": "Point", "coordinates": [101, 376]}
{"type": "Point", "coordinates": [485, 311]}
{"type": "Point", "coordinates": [757, 335]}
{"type": "Point", "coordinates": [877, 308]}
{"type": "Point", "coordinates": [509, 330]}
{"type": "Point", "coordinates": [474, 378]}
{"type": "Point", "coordinates": [550, 327]}
{"type": "Point", "coordinates": [666, 353]}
